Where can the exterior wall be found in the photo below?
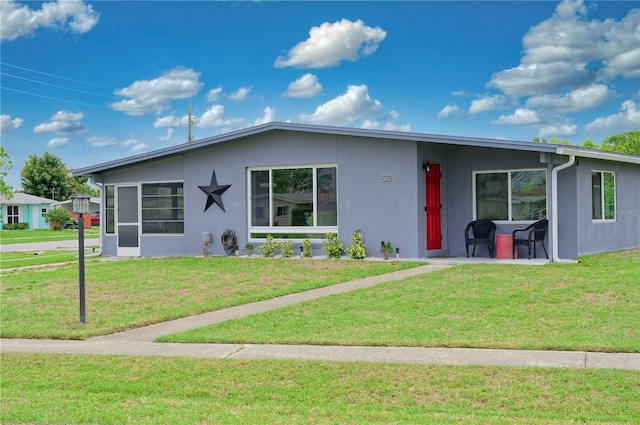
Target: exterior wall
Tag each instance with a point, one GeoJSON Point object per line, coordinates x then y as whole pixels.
{"type": "Point", "coordinates": [28, 213]}
{"type": "Point", "coordinates": [568, 213]}
{"type": "Point", "coordinates": [624, 232]}
{"type": "Point", "coordinates": [382, 211]}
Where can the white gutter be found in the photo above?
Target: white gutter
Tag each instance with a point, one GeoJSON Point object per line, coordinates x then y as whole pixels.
{"type": "Point", "coordinates": [554, 210]}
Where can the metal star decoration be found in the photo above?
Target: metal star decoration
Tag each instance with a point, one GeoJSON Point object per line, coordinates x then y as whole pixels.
{"type": "Point", "coordinates": [214, 192]}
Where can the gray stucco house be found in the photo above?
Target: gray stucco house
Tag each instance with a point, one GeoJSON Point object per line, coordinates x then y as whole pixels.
{"type": "Point", "coordinates": [418, 191]}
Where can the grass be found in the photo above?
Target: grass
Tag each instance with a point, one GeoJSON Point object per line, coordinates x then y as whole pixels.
{"type": "Point", "coordinates": [34, 258]}
{"type": "Point", "coordinates": [590, 306]}
{"type": "Point", "coordinates": [69, 389]}
{"type": "Point", "coordinates": [8, 237]}
{"type": "Point", "coordinates": [126, 294]}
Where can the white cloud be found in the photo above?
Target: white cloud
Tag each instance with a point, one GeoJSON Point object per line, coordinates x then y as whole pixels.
{"type": "Point", "coordinates": [269, 116]}
{"type": "Point", "coordinates": [330, 44]}
{"type": "Point", "coordinates": [213, 94]}
{"type": "Point", "coordinates": [373, 125]}
{"type": "Point", "coordinates": [460, 93]}
{"type": "Point", "coordinates": [240, 94]}
{"type": "Point", "coordinates": [558, 130]}
{"type": "Point", "coordinates": [346, 108]}
{"type": "Point", "coordinates": [19, 20]}
{"type": "Point", "coordinates": [521, 116]}
{"type": "Point", "coordinates": [578, 100]}
{"type": "Point", "coordinates": [627, 118]}
{"type": "Point", "coordinates": [135, 146]}
{"type": "Point", "coordinates": [214, 117]}
{"type": "Point", "coordinates": [152, 96]}
{"type": "Point", "coordinates": [167, 136]}
{"type": "Point", "coordinates": [448, 110]}
{"type": "Point", "coordinates": [488, 103]}
{"type": "Point", "coordinates": [58, 142]}
{"type": "Point", "coordinates": [62, 122]}
{"type": "Point", "coordinates": [305, 86]}
{"type": "Point", "coordinates": [101, 142]}
{"type": "Point", "coordinates": [170, 121]}
{"type": "Point", "coordinates": [8, 125]}
{"type": "Point", "coordinates": [568, 51]}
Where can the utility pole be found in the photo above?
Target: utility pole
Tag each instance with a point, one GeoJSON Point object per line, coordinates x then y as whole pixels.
{"type": "Point", "coordinates": [190, 138]}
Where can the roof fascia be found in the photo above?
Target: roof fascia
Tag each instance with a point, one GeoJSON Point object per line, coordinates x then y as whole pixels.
{"type": "Point", "coordinates": [598, 154]}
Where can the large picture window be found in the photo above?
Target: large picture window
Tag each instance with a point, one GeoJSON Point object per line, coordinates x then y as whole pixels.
{"type": "Point", "coordinates": [162, 208]}
{"type": "Point", "coordinates": [293, 203]}
{"type": "Point", "coordinates": [514, 195]}
{"type": "Point", "coordinates": [603, 195]}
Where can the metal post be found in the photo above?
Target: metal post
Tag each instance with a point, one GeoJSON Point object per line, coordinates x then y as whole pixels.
{"type": "Point", "coordinates": [81, 265]}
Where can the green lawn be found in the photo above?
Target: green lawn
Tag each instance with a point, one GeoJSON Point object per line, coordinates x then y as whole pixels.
{"type": "Point", "coordinates": [120, 295]}
{"type": "Point", "coordinates": [8, 237]}
{"type": "Point", "coordinates": [589, 306]}
{"type": "Point", "coordinates": [68, 389]}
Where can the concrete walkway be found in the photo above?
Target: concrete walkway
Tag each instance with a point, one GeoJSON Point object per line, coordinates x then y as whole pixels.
{"type": "Point", "coordinates": [46, 246]}
{"type": "Point", "coordinates": [139, 341]}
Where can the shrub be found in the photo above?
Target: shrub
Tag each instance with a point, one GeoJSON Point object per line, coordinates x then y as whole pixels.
{"type": "Point", "coordinates": [270, 248]}
{"type": "Point", "coordinates": [57, 217]}
{"type": "Point", "coordinates": [287, 249]}
{"type": "Point", "coordinates": [15, 226]}
{"type": "Point", "coordinates": [357, 250]}
{"type": "Point", "coordinates": [386, 249]}
{"type": "Point", "coordinates": [332, 246]}
{"type": "Point", "coordinates": [307, 252]}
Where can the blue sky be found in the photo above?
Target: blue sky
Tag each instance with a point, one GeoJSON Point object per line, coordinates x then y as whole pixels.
{"type": "Point", "coordinates": [92, 81]}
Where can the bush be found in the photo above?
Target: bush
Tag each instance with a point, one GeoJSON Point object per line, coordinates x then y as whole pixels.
{"type": "Point", "coordinates": [332, 246]}
{"type": "Point", "coordinates": [386, 249]}
{"type": "Point", "coordinates": [287, 249]}
{"type": "Point", "coordinates": [357, 250]}
{"type": "Point", "coordinates": [307, 252]}
{"type": "Point", "coordinates": [57, 217]}
{"type": "Point", "coordinates": [15, 226]}
{"type": "Point", "coordinates": [270, 248]}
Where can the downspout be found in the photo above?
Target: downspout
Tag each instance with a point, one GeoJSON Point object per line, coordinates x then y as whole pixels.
{"type": "Point", "coordinates": [554, 212]}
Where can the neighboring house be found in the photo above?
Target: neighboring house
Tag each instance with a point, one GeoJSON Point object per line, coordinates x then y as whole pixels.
{"type": "Point", "coordinates": [418, 191]}
{"type": "Point", "coordinates": [23, 208]}
{"type": "Point", "coordinates": [94, 207]}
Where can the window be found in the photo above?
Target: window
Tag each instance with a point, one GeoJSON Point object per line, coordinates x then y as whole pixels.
{"type": "Point", "coordinates": [163, 208]}
{"type": "Point", "coordinates": [109, 209]}
{"type": "Point", "coordinates": [13, 214]}
{"type": "Point", "coordinates": [43, 212]}
{"type": "Point", "coordinates": [295, 203]}
{"type": "Point", "coordinates": [517, 195]}
{"type": "Point", "coordinates": [603, 195]}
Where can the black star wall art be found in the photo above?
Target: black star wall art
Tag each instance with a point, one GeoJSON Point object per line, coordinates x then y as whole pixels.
{"type": "Point", "coordinates": [214, 192]}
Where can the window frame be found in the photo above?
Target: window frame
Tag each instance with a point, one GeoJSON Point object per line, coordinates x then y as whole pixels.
{"type": "Point", "coordinates": [509, 172]}
{"type": "Point", "coordinates": [288, 233]}
{"type": "Point", "coordinates": [12, 215]}
{"type": "Point", "coordinates": [109, 217]}
{"type": "Point", "coordinates": [603, 207]}
{"type": "Point", "coordinates": [141, 210]}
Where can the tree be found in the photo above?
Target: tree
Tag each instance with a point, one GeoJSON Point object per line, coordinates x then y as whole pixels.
{"type": "Point", "coordinates": [628, 143]}
{"type": "Point", "coordinates": [46, 176]}
{"type": "Point", "coordinates": [5, 164]}
{"type": "Point", "coordinates": [81, 185]}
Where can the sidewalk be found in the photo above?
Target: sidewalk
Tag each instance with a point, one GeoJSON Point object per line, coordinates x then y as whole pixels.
{"type": "Point", "coordinates": [45, 246]}
{"type": "Point", "coordinates": [139, 341]}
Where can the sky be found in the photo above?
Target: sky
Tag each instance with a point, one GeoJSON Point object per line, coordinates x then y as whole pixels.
{"type": "Point", "coordinates": [93, 81]}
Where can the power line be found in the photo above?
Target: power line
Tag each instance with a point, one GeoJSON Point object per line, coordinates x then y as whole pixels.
{"type": "Point", "coordinates": [56, 76]}
{"type": "Point", "coordinates": [55, 85]}
{"type": "Point", "coordinates": [53, 98]}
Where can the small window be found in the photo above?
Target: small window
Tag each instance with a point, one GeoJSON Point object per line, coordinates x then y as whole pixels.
{"type": "Point", "coordinates": [43, 212]}
{"type": "Point", "coordinates": [603, 195]}
{"type": "Point", "coordinates": [109, 209]}
{"type": "Point", "coordinates": [13, 214]}
{"type": "Point", "coordinates": [163, 208]}
{"type": "Point", "coordinates": [518, 195]}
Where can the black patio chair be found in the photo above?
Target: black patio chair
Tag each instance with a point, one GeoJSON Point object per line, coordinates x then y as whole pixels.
{"type": "Point", "coordinates": [483, 233]}
{"type": "Point", "coordinates": [536, 232]}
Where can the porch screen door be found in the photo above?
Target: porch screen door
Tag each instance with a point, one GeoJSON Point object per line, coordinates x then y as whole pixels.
{"type": "Point", "coordinates": [128, 226]}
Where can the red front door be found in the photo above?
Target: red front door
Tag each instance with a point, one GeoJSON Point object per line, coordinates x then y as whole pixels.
{"type": "Point", "coordinates": [434, 221]}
